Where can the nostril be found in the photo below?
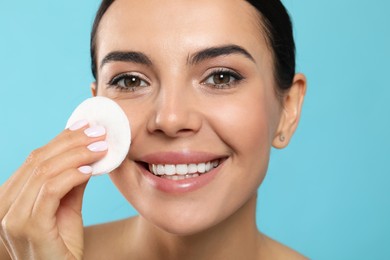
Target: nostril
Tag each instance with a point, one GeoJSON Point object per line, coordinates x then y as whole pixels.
{"type": "Point", "coordinates": [174, 132]}
{"type": "Point", "coordinates": [187, 130]}
{"type": "Point", "coordinates": [181, 133]}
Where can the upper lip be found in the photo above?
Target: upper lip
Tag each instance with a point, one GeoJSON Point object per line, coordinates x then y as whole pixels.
{"type": "Point", "coordinates": [185, 157]}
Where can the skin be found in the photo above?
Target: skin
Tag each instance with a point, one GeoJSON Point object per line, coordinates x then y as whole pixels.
{"type": "Point", "coordinates": [177, 108]}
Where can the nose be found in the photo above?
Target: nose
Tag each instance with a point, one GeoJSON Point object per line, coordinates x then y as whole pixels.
{"type": "Point", "coordinates": [176, 114]}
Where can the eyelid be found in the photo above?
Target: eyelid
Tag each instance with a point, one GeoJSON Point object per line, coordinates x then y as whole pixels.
{"type": "Point", "coordinates": [222, 70]}
{"type": "Point", "coordinates": [115, 79]}
{"type": "Point", "coordinates": [238, 77]}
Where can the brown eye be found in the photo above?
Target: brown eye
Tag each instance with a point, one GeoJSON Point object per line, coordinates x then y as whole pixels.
{"type": "Point", "coordinates": [128, 82]}
{"type": "Point", "coordinates": [132, 82]}
{"type": "Point", "coordinates": [222, 78]}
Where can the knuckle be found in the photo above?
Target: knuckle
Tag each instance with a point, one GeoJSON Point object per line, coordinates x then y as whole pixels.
{"type": "Point", "coordinates": [35, 155]}
{"type": "Point", "coordinates": [17, 228]}
{"type": "Point", "coordinates": [81, 154]}
{"type": "Point", "coordinates": [48, 190]}
{"type": "Point", "coordinates": [3, 224]}
{"type": "Point", "coordinates": [41, 170]}
{"type": "Point", "coordinates": [84, 154]}
{"type": "Point", "coordinates": [74, 138]}
{"type": "Point", "coordinates": [11, 227]}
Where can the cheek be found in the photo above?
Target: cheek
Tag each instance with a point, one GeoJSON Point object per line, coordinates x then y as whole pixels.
{"type": "Point", "coordinates": [246, 127]}
{"type": "Point", "coordinates": [243, 124]}
{"type": "Point", "coordinates": [137, 113]}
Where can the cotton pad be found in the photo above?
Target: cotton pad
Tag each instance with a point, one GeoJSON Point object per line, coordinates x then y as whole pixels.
{"type": "Point", "coordinates": [107, 113]}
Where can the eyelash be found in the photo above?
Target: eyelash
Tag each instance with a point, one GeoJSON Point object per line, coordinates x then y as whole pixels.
{"type": "Point", "coordinates": [114, 82]}
{"type": "Point", "coordinates": [237, 78]}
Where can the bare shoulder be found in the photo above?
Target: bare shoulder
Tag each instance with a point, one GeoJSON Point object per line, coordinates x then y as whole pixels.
{"type": "Point", "coordinates": [106, 239]}
{"type": "Point", "coordinates": [276, 250]}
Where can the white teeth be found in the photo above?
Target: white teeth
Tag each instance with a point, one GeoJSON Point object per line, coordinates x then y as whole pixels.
{"type": "Point", "coordinates": [208, 166]}
{"type": "Point", "coordinates": [160, 169]}
{"type": "Point", "coordinates": [201, 167]}
{"type": "Point", "coordinates": [182, 171]}
{"type": "Point", "coordinates": [170, 169]}
{"type": "Point", "coordinates": [192, 168]}
{"type": "Point", "coordinates": [180, 177]}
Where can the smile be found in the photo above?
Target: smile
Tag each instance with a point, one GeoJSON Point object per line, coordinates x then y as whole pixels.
{"type": "Point", "coordinates": [182, 171]}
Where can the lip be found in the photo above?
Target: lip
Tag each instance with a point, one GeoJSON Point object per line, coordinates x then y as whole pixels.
{"type": "Point", "coordinates": [179, 186]}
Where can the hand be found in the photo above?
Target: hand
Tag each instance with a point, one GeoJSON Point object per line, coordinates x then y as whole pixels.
{"type": "Point", "coordinates": [40, 209]}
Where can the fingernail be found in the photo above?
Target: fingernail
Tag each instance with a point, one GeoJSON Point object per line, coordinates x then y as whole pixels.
{"type": "Point", "coordinates": [85, 169]}
{"type": "Point", "coordinates": [95, 131]}
{"type": "Point", "coordinates": [79, 124]}
{"type": "Point", "coordinates": [98, 146]}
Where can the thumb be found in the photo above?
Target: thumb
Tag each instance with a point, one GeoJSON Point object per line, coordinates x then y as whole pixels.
{"type": "Point", "coordinates": [74, 199]}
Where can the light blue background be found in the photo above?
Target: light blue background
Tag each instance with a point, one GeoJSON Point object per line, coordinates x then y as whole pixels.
{"type": "Point", "coordinates": [326, 195]}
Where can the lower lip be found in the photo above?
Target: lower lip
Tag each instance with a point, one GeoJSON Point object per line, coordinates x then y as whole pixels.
{"type": "Point", "coordinates": [179, 186]}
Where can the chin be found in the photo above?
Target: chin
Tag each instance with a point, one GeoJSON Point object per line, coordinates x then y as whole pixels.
{"type": "Point", "coordinates": [187, 227]}
{"type": "Point", "coordinates": [179, 218]}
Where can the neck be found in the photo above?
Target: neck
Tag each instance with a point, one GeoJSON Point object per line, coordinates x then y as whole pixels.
{"type": "Point", "coordinates": [236, 237]}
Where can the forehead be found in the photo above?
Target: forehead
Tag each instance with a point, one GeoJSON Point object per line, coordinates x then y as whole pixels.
{"type": "Point", "coordinates": [178, 25]}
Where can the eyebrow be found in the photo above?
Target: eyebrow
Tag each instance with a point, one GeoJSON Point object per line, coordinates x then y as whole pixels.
{"type": "Point", "coordinates": [126, 56]}
{"type": "Point", "coordinates": [214, 52]}
{"type": "Point", "coordinates": [202, 55]}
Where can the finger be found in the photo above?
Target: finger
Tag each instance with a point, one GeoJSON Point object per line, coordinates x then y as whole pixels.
{"type": "Point", "coordinates": [45, 222]}
{"type": "Point", "coordinates": [10, 190]}
{"type": "Point", "coordinates": [74, 199]}
{"type": "Point", "coordinates": [73, 159]}
{"type": "Point", "coordinates": [54, 210]}
{"type": "Point", "coordinates": [76, 135]}
{"type": "Point", "coordinates": [64, 142]}
{"type": "Point", "coordinates": [65, 189]}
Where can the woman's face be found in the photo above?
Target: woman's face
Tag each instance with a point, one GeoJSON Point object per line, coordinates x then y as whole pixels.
{"type": "Point", "coordinates": [195, 79]}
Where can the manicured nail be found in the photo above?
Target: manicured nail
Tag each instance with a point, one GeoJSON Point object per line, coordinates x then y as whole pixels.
{"type": "Point", "coordinates": [79, 124]}
{"type": "Point", "coordinates": [85, 169]}
{"type": "Point", "coordinates": [98, 146]}
{"type": "Point", "coordinates": [95, 131]}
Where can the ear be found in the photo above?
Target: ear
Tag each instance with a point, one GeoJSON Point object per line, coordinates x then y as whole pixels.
{"type": "Point", "coordinates": [292, 107]}
{"type": "Point", "coordinates": [94, 89]}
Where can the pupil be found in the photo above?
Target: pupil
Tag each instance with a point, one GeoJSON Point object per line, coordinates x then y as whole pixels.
{"type": "Point", "coordinates": [132, 82]}
{"type": "Point", "coordinates": [221, 78]}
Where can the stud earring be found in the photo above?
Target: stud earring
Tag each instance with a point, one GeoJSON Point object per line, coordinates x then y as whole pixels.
{"type": "Point", "coordinates": [282, 138]}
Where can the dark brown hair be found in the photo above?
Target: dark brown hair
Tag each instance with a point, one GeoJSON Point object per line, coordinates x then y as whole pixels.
{"type": "Point", "coordinates": [276, 23]}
